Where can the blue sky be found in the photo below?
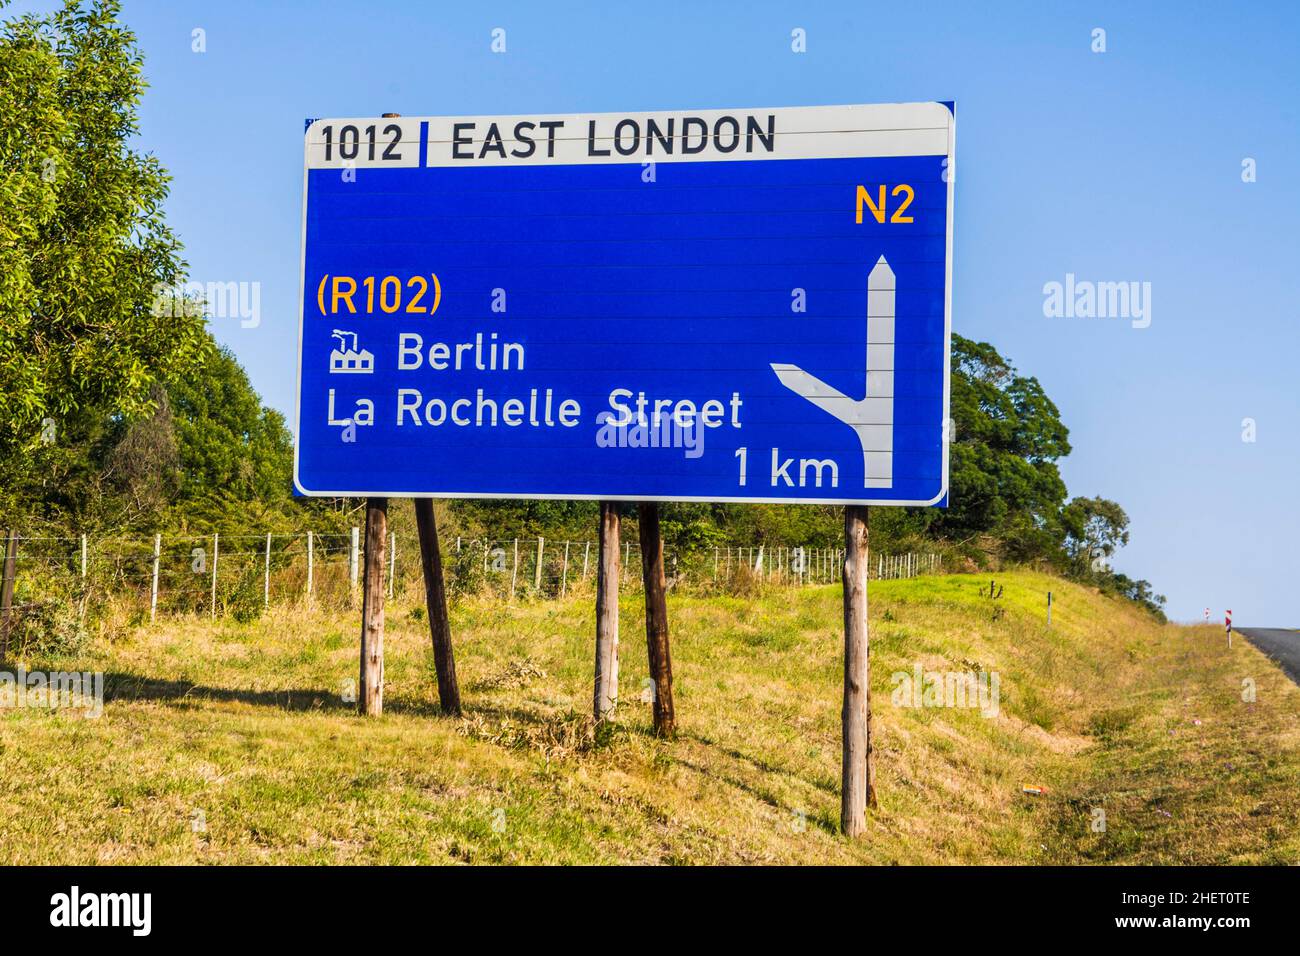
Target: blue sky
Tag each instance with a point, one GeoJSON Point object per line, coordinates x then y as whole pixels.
{"type": "Point", "coordinates": [1116, 166]}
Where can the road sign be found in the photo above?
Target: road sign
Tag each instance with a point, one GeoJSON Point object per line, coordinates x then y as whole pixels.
{"type": "Point", "coordinates": [722, 305]}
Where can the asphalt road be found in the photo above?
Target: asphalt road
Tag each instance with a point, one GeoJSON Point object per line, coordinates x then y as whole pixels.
{"type": "Point", "coordinates": [1280, 643]}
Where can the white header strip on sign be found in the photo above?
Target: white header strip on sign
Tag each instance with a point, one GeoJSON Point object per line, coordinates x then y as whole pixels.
{"type": "Point", "coordinates": [823, 132]}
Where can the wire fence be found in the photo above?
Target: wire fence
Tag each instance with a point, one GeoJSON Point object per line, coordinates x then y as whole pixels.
{"type": "Point", "coordinates": [220, 574]}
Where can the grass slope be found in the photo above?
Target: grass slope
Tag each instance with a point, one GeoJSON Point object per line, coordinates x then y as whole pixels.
{"type": "Point", "coordinates": [228, 743]}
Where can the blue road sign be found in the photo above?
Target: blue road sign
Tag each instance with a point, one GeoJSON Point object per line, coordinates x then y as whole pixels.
{"type": "Point", "coordinates": [716, 305]}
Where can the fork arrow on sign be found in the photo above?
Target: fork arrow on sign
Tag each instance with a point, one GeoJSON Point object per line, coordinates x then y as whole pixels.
{"type": "Point", "coordinates": [872, 416]}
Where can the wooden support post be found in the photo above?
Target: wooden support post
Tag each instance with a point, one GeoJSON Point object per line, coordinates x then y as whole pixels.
{"type": "Point", "coordinates": [7, 590]}
{"type": "Point", "coordinates": [435, 599]}
{"type": "Point", "coordinates": [370, 697]}
{"type": "Point", "coordinates": [153, 591]}
{"type": "Point", "coordinates": [607, 574]}
{"type": "Point", "coordinates": [656, 618]}
{"type": "Point", "coordinates": [216, 544]}
{"type": "Point", "coordinates": [858, 779]}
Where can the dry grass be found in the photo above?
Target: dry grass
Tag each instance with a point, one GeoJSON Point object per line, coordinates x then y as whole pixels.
{"type": "Point", "coordinates": [242, 728]}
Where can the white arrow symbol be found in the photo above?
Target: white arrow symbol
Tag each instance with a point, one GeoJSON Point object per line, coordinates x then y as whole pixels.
{"type": "Point", "coordinates": [871, 417]}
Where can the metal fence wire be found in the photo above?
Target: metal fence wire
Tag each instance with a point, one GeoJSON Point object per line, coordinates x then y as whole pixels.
{"type": "Point", "coordinates": [219, 575]}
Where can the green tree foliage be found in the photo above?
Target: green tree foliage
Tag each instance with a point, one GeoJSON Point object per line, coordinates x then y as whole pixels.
{"type": "Point", "coordinates": [83, 245]}
{"type": "Point", "coordinates": [1094, 529]}
{"type": "Point", "coordinates": [230, 446]}
{"type": "Point", "coordinates": [1003, 478]}
{"type": "Point", "coordinates": [209, 456]}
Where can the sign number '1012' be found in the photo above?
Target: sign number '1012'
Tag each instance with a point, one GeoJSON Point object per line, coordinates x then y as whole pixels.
{"type": "Point", "coordinates": [350, 141]}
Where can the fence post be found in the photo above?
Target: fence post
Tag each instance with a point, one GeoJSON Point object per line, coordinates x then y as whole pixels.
{"type": "Point", "coordinates": [435, 598]}
{"type": "Point", "coordinates": [656, 617]}
{"type": "Point", "coordinates": [352, 557]}
{"type": "Point", "coordinates": [857, 775]}
{"type": "Point", "coordinates": [537, 571]}
{"type": "Point", "coordinates": [564, 574]}
{"type": "Point", "coordinates": [607, 575]}
{"type": "Point", "coordinates": [83, 555]}
{"type": "Point", "coordinates": [514, 571]}
{"type": "Point", "coordinates": [266, 574]}
{"type": "Point", "coordinates": [586, 553]}
{"type": "Point", "coordinates": [7, 590]}
{"type": "Point", "coordinates": [153, 591]}
{"type": "Point", "coordinates": [311, 561]}
{"type": "Point", "coordinates": [392, 559]}
{"type": "Point", "coordinates": [216, 542]}
{"type": "Point", "coordinates": [370, 700]}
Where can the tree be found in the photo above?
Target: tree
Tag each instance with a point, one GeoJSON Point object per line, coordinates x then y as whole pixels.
{"type": "Point", "coordinates": [1003, 479]}
{"type": "Point", "coordinates": [84, 249]}
{"type": "Point", "coordinates": [229, 444]}
{"type": "Point", "coordinates": [1094, 529]}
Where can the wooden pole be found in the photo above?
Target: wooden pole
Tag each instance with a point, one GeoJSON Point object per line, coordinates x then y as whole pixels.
{"type": "Point", "coordinates": [607, 574]}
{"type": "Point", "coordinates": [656, 617]}
{"type": "Point", "coordinates": [266, 574]}
{"type": "Point", "coordinates": [537, 571]}
{"type": "Point", "coordinates": [7, 590]}
{"type": "Point", "coordinates": [370, 700]}
{"type": "Point", "coordinates": [83, 555]}
{"type": "Point", "coordinates": [858, 780]}
{"type": "Point", "coordinates": [586, 554]}
{"type": "Point", "coordinates": [435, 600]}
{"type": "Point", "coordinates": [311, 562]}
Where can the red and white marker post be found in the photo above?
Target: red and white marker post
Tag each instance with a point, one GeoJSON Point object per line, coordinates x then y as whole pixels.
{"type": "Point", "coordinates": [1227, 625]}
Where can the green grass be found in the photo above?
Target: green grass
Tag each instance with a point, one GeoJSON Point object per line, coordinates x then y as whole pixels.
{"type": "Point", "coordinates": [242, 727]}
